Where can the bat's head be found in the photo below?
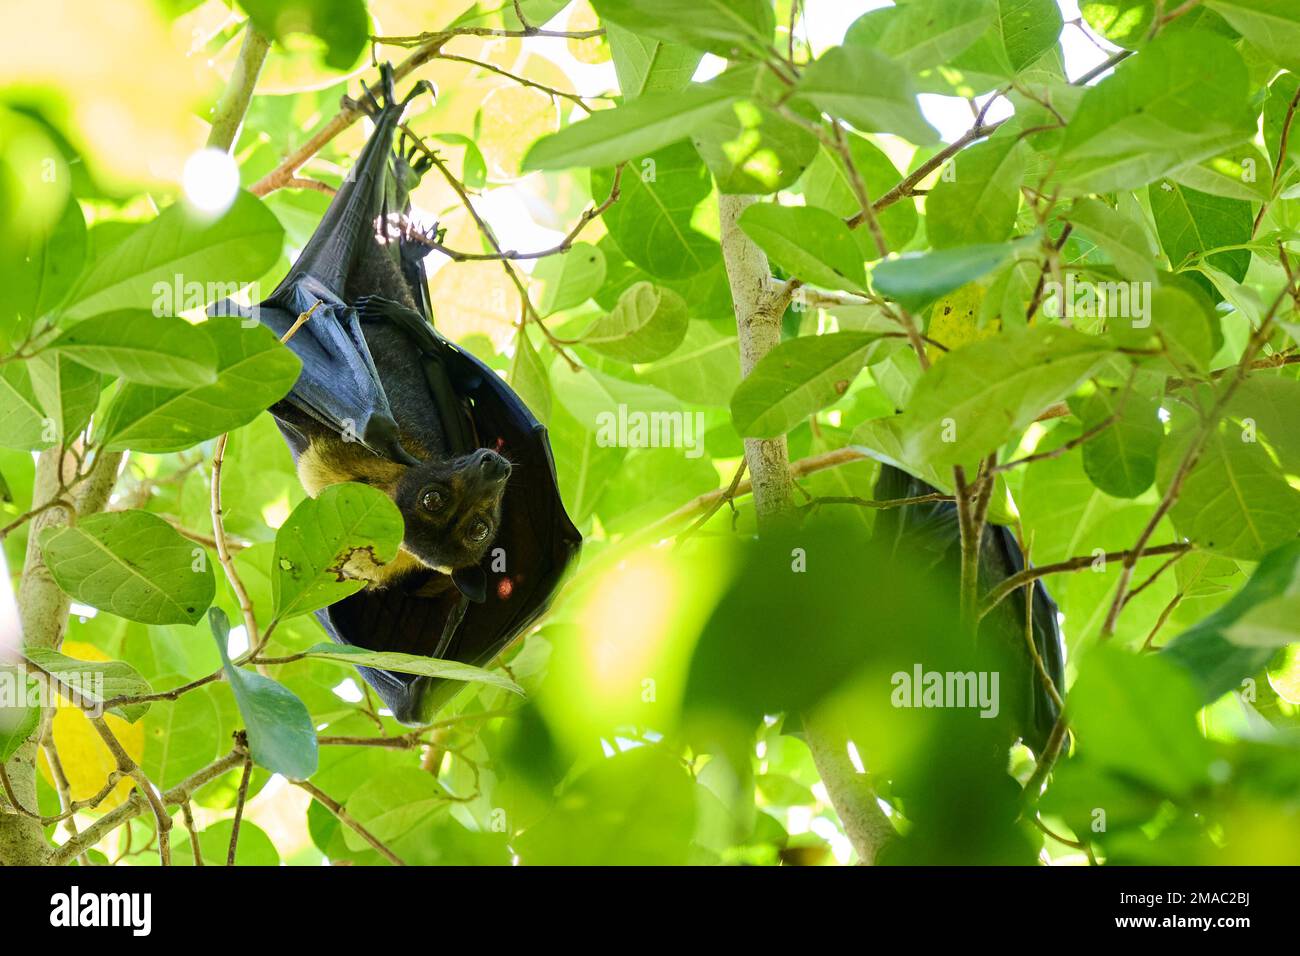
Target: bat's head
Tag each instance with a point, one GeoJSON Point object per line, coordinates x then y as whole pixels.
{"type": "Point", "coordinates": [452, 508]}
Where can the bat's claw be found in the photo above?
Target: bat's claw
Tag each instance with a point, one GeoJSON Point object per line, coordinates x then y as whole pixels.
{"type": "Point", "coordinates": [373, 105]}
{"type": "Point", "coordinates": [415, 153]}
{"type": "Point", "coordinates": [422, 86]}
{"type": "Point", "coordinates": [418, 241]}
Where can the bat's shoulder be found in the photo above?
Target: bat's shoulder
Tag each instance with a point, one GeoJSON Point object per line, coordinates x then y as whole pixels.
{"type": "Point", "coordinates": [331, 460]}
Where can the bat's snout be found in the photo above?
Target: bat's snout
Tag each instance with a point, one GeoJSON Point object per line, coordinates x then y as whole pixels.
{"type": "Point", "coordinates": [492, 466]}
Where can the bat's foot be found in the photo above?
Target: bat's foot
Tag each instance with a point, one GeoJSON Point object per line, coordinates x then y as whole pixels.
{"type": "Point", "coordinates": [413, 151]}
{"type": "Point", "coordinates": [423, 86]}
{"type": "Point", "coordinates": [377, 307]}
{"type": "Point", "coordinates": [416, 241]}
{"type": "Point", "coordinates": [372, 104]}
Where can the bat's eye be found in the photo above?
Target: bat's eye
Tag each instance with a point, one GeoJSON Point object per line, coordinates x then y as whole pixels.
{"type": "Point", "coordinates": [478, 531]}
{"type": "Point", "coordinates": [432, 500]}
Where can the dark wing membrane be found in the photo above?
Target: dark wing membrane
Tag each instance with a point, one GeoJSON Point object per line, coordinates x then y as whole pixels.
{"type": "Point", "coordinates": [372, 323]}
{"type": "Point", "coordinates": [932, 530]}
{"type": "Point", "coordinates": [536, 542]}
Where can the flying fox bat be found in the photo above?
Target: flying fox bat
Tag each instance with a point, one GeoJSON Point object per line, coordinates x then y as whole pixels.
{"type": "Point", "coordinates": [384, 399]}
{"type": "Point", "coordinates": [931, 529]}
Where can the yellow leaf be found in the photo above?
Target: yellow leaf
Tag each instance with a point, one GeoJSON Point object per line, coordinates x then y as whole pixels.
{"type": "Point", "coordinates": [86, 759]}
{"type": "Point", "coordinates": [473, 297]}
{"type": "Point", "coordinates": [954, 320]}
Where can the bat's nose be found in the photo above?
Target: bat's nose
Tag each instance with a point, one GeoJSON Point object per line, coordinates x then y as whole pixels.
{"type": "Point", "coordinates": [493, 466]}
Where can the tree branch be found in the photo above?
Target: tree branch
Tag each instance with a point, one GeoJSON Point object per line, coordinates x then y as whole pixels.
{"type": "Point", "coordinates": [136, 805]}
{"type": "Point", "coordinates": [759, 304]}
{"type": "Point", "coordinates": [228, 115]}
{"type": "Point", "coordinates": [852, 796]}
{"type": "Point", "coordinates": [43, 615]}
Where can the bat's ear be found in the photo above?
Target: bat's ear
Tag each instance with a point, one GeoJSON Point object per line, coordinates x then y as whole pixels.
{"type": "Point", "coordinates": [471, 582]}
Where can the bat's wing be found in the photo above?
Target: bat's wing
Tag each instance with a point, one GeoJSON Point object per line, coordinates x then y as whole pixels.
{"type": "Point", "coordinates": [933, 530]}
{"type": "Point", "coordinates": [467, 406]}
{"type": "Point", "coordinates": [521, 570]}
{"type": "Point", "coordinates": [339, 389]}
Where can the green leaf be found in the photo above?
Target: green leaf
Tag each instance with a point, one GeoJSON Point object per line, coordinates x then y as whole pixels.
{"type": "Point", "coordinates": [924, 33]}
{"type": "Point", "coordinates": [651, 483]}
{"type": "Point", "coordinates": [281, 736]}
{"type": "Point", "coordinates": [1238, 173]}
{"type": "Point", "coordinates": [132, 564]}
{"type": "Point", "coordinates": [529, 378]}
{"type": "Point", "coordinates": [23, 421]}
{"type": "Point", "coordinates": [867, 88]}
{"type": "Point", "coordinates": [1136, 714]}
{"type": "Point", "coordinates": [143, 270]}
{"type": "Point", "coordinates": [346, 522]}
{"type": "Point", "coordinates": [724, 27]}
{"type": "Point", "coordinates": [570, 278]}
{"type": "Point", "coordinates": [1124, 240]}
{"type": "Point", "coordinates": [473, 165]}
{"type": "Point", "coordinates": [1277, 108]}
{"type": "Point", "coordinates": [807, 242]}
{"type": "Point", "coordinates": [796, 379]}
{"type": "Point", "coordinates": [1192, 223]}
{"type": "Point", "coordinates": [917, 281]}
{"type": "Point", "coordinates": [400, 802]}
{"type": "Point", "coordinates": [342, 25]}
{"type": "Point", "coordinates": [1121, 458]}
{"type": "Point", "coordinates": [66, 390]}
{"type": "Point", "coordinates": [255, 847]}
{"type": "Point", "coordinates": [631, 131]}
{"type": "Point", "coordinates": [826, 185]}
{"type": "Point", "coordinates": [626, 819]}
{"type": "Point", "coordinates": [412, 664]}
{"type": "Point", "coordinates": [1125, 23]}
{"type": "Point", "coordinates": [752, 148]}
{"type": "Point", "coordinates": [181, 736]}
{"type": "Point", "coordinates": [1268, 403]}
{"type": "Point", "coordinates": [17, 723]}
{"type": "Point", "coordinates": [652, 221]}
{"type": "Point", "coordinates": [1183, 328]}
{"type": "Point", "coordinates": [254, 371]}
{"type": "Point", "coordinates": [96, 681]}
{"type": "Point", "coordinates": [1026, 29]}
{"type": "Point", "coordinates": [980, 395]}
{"type": "Point", "coordinates": [704, 370]}
{"type": "Point", "coordinates": [1184, 98]}
{"type": "Point", "coordinates": [979, 205]}
{"type": "Point", "coordinates": [1272, 25]}
{"type": "Point", "coordinates": [584, 464]}
{"type": "Point", "coordinates": [647, 324]}
{"type": "Point", "coordinates": [135, 345]}
{"type": "Point", "coordinates": [645, 65]}
{"type": "Point", "coordinates": [1235, 501]}
{"type": "Point", "coordinates": [593, 397]}
{"type": "Point", "coordinates": [1209, 649]}
{"type": "Point", "coordinates": [50, 265]}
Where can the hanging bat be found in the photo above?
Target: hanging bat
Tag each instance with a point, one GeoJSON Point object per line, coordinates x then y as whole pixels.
{"type": "Point", "coordinates": [385, 400]}
{"type": "Point", "coordinates": [932, 529]}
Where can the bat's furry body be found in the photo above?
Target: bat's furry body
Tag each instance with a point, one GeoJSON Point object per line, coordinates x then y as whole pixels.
{"type": "Point", "coordinates": [384, 399]}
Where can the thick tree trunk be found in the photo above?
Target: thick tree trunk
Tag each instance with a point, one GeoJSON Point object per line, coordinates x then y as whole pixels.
{"type": "Point", "coordinates": [760, 302]}
{"type": "Point", "coordinates": [43, 613]}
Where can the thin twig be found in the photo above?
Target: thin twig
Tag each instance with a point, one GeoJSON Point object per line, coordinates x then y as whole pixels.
{"type": "Point", "coordinates": [1029, 575]}
{"type": "Point", "coordinates": [349, 821]}
{"type": "Point", "coordinates": [64, 789]}
{"type": "Point", "coordinates": [188, 816]}
{"type": "Point", "coordinates": [1194, 447]}
{"type": "Point", "coordinates": [136, 805]}
{"type": "Point", "coordinates": [240, 800]}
